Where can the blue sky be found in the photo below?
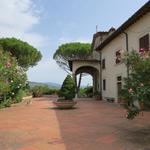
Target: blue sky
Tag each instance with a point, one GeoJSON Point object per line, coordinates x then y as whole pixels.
{"type": "Point", "coordinates": [48, 23]}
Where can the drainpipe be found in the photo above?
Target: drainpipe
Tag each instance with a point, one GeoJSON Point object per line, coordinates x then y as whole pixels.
{"type": "Point", "coordinates": [127, 48]}
{"type": "Point", "coordinates": [100, 75]}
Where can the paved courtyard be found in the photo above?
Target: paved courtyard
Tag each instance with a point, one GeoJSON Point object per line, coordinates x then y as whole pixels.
{"type": "Point", "coordinates": [93, 125]}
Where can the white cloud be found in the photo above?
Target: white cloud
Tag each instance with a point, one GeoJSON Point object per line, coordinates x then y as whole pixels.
{"type": "Point", "coordinates": [17, 19]}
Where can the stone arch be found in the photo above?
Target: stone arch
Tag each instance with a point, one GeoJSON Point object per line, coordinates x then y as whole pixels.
{"type": "Point", "coordinates": [79, 64]}
{"type": "Point", "coordinates": [93, 71]}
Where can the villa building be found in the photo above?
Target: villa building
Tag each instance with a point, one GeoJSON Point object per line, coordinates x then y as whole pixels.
{"type": "Point", "coordinates": [105, 64]}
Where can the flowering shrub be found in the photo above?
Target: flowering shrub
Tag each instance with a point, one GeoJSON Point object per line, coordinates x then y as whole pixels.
{"type": "Point", "coordinates": [137, 85]}
{"type": "Point", "coordinates": [12, 79]}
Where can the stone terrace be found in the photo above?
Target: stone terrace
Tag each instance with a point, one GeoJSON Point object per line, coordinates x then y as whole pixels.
{"type": "Point", "coordinates": [93, 125]}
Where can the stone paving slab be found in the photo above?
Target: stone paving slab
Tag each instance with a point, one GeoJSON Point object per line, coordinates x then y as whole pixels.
{"type": "Point", "coordinates": [93, 125]}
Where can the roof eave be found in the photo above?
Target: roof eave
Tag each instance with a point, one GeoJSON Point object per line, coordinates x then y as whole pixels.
{"type": "Point", "coordinates": [141, 12]}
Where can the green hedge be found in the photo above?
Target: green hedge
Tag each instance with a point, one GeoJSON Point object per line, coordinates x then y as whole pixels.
{"type": "Point", "coordinates": [39, 91]}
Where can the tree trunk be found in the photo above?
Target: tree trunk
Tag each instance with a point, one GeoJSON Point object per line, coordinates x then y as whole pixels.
{"type": "Point", "coordinates": [76, 86]}
{"type": "Point", "coordinates": [79, 83]}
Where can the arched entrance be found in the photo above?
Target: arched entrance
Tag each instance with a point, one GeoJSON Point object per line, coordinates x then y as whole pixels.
{"type": "Point", "coordinates": [94, 72]}
{"type": "Point", "coordinates": [89, 66]}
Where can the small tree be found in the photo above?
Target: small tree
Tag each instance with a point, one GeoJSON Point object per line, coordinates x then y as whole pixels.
{"type": "Point", "coordinates": [67, 90]}
{"type": "Point", "coordinates": [137, 85]}
{"type": "Point", "coordinates": [69, 51]}
{"type": "Point", "coordinates": [74, 50]}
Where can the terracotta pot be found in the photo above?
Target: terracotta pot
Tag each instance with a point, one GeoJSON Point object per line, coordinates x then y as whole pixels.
{"type": "Point", "coordinates": [141, 104]}
{"type": "Point", "coordinates": [65, 104]}
{"type": "Point", "coordinates": [98, 97]}
{"type": "Point", "coordinates": [122, 102]}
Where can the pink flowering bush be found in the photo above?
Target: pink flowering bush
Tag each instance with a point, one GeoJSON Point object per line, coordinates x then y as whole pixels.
{"type": "Point", "coordinates": [137, 85]}
{"type": "Point", "coordinates": [12, 79]}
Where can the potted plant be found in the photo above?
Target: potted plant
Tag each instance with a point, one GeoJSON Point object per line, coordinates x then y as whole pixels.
{"type": "Point", "coordinates": [66, 94]}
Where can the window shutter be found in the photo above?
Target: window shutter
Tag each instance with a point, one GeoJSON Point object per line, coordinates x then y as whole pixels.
{"type": "Point", "coordinates": [144, 43]}
{"type": "Point", "coordinates": [104, 84]}
{"type": "Point", "coordinates": [118, 57]}
{"type": "Point", "coordinates": [103, 64]}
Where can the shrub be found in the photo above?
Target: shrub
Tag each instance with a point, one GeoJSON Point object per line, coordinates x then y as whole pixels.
{"type": "Point", "coordinates": [137, 85]}
{"type": "Point", "coordinates": [53, 91]}
{"type": "Point", "coordinates": [45, 89]}
{"type": "Point", "coordinates": [89, 91]}
{"type": "Point", "coordinates": [6, 103]}
{"type": "Point", "coordinates": [12, 79]}
{"type": "Point", "coordinates": [27, 92]}
{"type": "Point", "coordinates": [37, 91]}
{"type": "Point", "coordinates": [67, 90]}
{"type": "Point", "coordinates": [19, 95]}
{"type": "Point", "coordinates": [82, 92]}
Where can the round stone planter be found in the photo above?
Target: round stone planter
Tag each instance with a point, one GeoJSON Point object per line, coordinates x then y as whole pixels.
{"type": "Point", "coordinates": [141, 104]}
{"type": "Point", "coordinates": [65, 104]}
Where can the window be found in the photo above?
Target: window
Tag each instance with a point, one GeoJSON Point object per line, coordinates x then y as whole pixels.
{"type": "Point", "coordinates": [104, 84]}
{"type": "Point", "coordinates": [144, 43]}
{"type": "Point", "coordinates": [103, 64]}
{"type": "Point", "coordinates": [119, 78]}
{"type": "Point", "coordinates": [119, 87]}
{"type": "Point", "coordinates": [118, 56]}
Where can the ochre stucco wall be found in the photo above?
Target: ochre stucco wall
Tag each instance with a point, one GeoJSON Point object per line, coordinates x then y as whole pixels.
{"type": "Point", "coordinates": [135, 31]}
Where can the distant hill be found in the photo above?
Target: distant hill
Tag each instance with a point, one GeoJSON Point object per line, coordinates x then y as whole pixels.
{"type": "Point", "coordinates": [50, 84]}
